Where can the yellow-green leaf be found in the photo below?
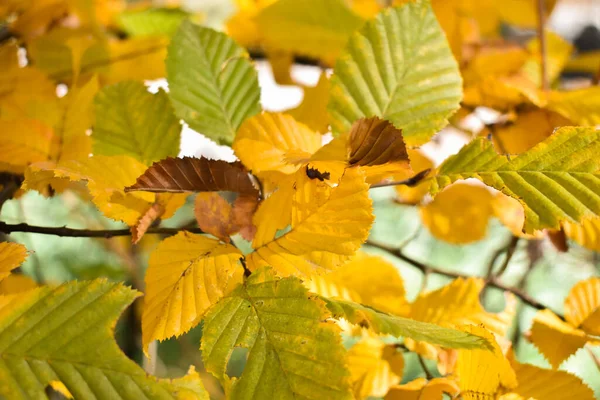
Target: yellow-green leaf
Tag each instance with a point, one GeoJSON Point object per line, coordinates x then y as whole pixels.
{"type": "Point", "coordinates": [293, 353]}
{"type": "Point", "coordinates": [84, 357]}
{"type": "Point", "coordinates": [134, 122]}
{"type": "Point", "coordinates": [557, 180]}
{"type": "Point", "coordinates": [186, 275]}
{"type": "Point", "coordinates": [398, 67]}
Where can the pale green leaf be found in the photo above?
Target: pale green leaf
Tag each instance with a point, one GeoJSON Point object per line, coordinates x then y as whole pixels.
{"type": "Point", "coordinates": [65, 334]}
{"type": "Point", "coordinates": [293, 354]}
{"type": "Point", "coordinates": [399, 67]}
{"type": "Point", "coordinates": [132, 121]}
{"type": "Point", "coordinates": [313, 28]}
{"type": "Point", "coordinates": [151, 21]}
{"type": "Point", "coordinates": [213, 85]}
{"type": "Point", "coordinates": [557, 180]}
{"type": "Point", "coordinates": [387, 324]}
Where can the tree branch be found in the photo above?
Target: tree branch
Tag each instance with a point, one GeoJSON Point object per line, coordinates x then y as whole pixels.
{"type": "Point", "coordinates": [97, 233]}
{"type": "Point", "coordinates": [410, 182]}
{"type": "Point", "coordinates": [526, 298]}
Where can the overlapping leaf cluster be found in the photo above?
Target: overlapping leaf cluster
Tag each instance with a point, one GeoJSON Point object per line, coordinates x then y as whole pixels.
{"type": "Point", "coordinates": [300, 202]}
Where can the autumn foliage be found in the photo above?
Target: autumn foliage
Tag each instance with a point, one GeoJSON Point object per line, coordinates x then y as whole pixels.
{"type": "Point", "coordinates": [283, 255]}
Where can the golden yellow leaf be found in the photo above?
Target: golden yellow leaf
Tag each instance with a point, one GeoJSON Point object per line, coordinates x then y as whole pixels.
{"type": "Point", "coordinates": [530, 128]}
{"type": "Point", "coordinates": [61, 388]}
{"type": "Point", "coordinates": [580, 106]}
{"type": "Point", "coordinates": [586, 233]}
{"type": "Point", "coordinates": [281, 65]}
{"type": "Point", "coordinates": [37, 15]}
{"type": "Point", "coordinates": [494, 61]}
{"type": "Point", "coordinates": [539, 383]}
{"type": "Point", "coordinates": [558, 53]}
{"type": "Point", "coordinates": [522, 13]}
{"type": "Point", "coordinates": [582, 306]}
{"type": "Point", "coordinates": [374, 367]}
{"type": "Point", "coordinates": [502, 93]}
{"type": "Point", "coordinates": [327, 226]}
{"type": "Point", "coordinates": [456, 19]}
{"type": "Point", "coordinates": [459, 214]}
{"type": "Point", "coordinates": [482, 372]}
{"type": "Point", "coordinates": [274, 213]}
{"type": "Point", "coordinates": [512, 215]}
{"type": "Point", "coordinates": [11, 256]}
{"type": "Point", "coordinates": [588, 62]}
{"type": "Point", "coordinates": [186, 274]}
{"type": "Point", "coordinates": [366, 8]}
{"type": "Point", "coordinates": [556, 339]}
{"type": "Point", "coordinates": [274, 142]}
{"type": "Point", "coordinates": [214, 215]}
{"type": "Point", "coordinates": [106, 178]}
{"type": "Point", "coordinates": [422, 389]}
{"type": "Point", "coordinates": [312, 111]}
{"type": "Point", "coordinates": [242, 25]}
{"type": "Point", "coordinates": [413, 195]}
{"type": "Point", "coordinates": [366, 279]}
{"type": "Point", "coordinates": [16, 283]}
{"type": "Point", "coordinates": [30, 145]}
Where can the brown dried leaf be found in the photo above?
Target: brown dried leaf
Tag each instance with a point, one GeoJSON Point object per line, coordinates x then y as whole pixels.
{"type": "Point", "coordinates": [374, 141]}
{"type": "Point", "coordinates": [191, 174]}
{"type": "Point", "coordinates": [558, 240]}
{"type": "Point", "coordinates": [244, 208]}
{"type": "Point", "coordinates": [152, 214]}
{"type": "Point", "coordinates": [215, 215]}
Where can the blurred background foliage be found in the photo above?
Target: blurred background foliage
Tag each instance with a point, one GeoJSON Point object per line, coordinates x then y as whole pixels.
{"type": "Point", "coordinates": [536, 266]}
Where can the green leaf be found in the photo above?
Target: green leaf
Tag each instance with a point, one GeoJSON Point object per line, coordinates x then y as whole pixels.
{"type": "Point", "coordinates": [132, 121]}
{"type": "Point", "coordinates": [557, 180]}
{"type": "Point", "coordinates": [213, 85]}
{"type": "Point", "coordinates": [65, 334]}
{"type": "Point", "coordinates": [293, 353]}
{"type": "Point", "coordinates": [151, 21]}
{"type": "Point", "coordinates": [314, 28]}
{"type": "Point", "coordinates": [399, 67]}
{"type": "Point", "coordinates": [387, 324]}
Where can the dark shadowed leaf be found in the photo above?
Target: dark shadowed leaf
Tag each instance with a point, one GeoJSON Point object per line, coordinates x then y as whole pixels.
{"type": "Point", "coordinates": [374, 141]}
{"type": "Point", "coordinates": [190, 174]}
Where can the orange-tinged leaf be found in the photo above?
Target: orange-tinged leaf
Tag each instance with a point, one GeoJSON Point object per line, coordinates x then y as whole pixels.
{"type": "Point", "coordinates": [540, 383]}
{"type": "Point", "coordinates": [582, 306]}
{"type": "Point", "coordinates": [31, 144]}
{"type": "Point", "coordinates": [374, 367]}
{"type": "Point", "coordinates": [215, 215]}
{"type": "Point", "coordinates": [186, 275]}
{"type": "Point", "coordinates": [189, 174]}
{"type": "Point", "coordinates": [373, 141]}
{"type": "Point", "coordinates": [327, 226]}
{"type": "Point", "coordinates": [244, 208]}
{"type": "Point", "coordinates": [482, 372]}
{"type": "Point", "coordinates": [422, 389]}
{"type": "Point", "coordinates": [512, 215]}
{"type": "Point", "coordinates": [459, 214]}
{"type": "Point", "coordinates": [16, 283]}
{"type": "Point", "coordinates": [586, 233]}
{"type": "Point", "coordinates": [11, 256]}
{"type": "Point", "coordinates": [312, 111]}
{"type": "Point", "coordinates": [413, 195]}
{"type": "Point", "coordinates": [556, 339]}
{"type": "Point", "coordinates": [274, 142]}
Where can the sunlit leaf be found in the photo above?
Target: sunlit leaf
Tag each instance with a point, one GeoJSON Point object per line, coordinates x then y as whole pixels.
{"type": "Point", "coordinates": [555, 181]}
{"type": "Point", "coordinates": [212, 84]}
{"type": "Point", "coordinates": [579, 106]}
{"type": "Point", "coordinates": [398, 67]}
{"type": "Point", "coordinates": [582, 306]}
{"type": "Point", "coordinates": [421, 389]}
{"type": "Point", "coordinates": [134, 122]}
{"type": "Point", "coordinates": [187, 274]}
{"type": "Point", "coordinates": [11, 256]}
{"type": "Point", "coordinates": [586, 233]}
{"type": "Point", "coordinates": [85, 356]}
{"type": "Point", "coordinates": [313, 110]}
{"type": "Point", "coordinates": [289, 344]}
{"type": "Point", "coordinates": [151, 21]}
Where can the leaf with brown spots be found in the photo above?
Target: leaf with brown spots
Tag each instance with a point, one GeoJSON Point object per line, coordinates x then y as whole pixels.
{"type": "Point", "coordinates": [215, 215]}
{"type": "Point", "coordinates": [374, 141]}
{"type": "Point", "coordinates": [191, 174]}
{"type": "Point", "coordinates": [244, 208]}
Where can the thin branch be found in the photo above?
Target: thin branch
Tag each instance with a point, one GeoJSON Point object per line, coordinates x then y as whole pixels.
{"type": "Point", "coordinates": [97, 233]}
{"type": "Point", "coordinates": [541, 13]}
{"type": "Point", "coordinates": [428, 374]}
{"type": "Point", "coordinates": [510, 251]}
{"type": "Point", "coordinates": [412, 181]}
{"type": "Point", "coordinates": [526, 298]}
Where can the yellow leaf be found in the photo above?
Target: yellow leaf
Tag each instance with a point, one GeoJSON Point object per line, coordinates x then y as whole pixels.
{"type": "Point", "coordinates": [502, 93]}
{"type": "Point", "coordinates": [459, 214]}
{"type": "Point", "coordinates": [421, 389]}
{"type": "Point", "coordinates": [374, 367]}
{"type": "Point", "coordinates": [530, 128]}
{"type": "Point", "coordinates": [312, 111]}
{"type": "Point", "coordinates": [512, 215]}
{"type": "Point", "coordinates": [36, 15]}
{"type": "Point", "coordinates": [580, 106]}
{"type": "Point", "coordinates": [558, 53]}
{"type": "Point", "coordinates": [413, 195]}
{"type": "Point", "coordinates": [214, 215]}
{"type": "Point", "coordinates": [274, 213]}
{"type": "Point", "coordinates": [61, 388]}
{"type": "Point", "coordinates": [556, 339]}
{"type": "Point", "coordinates": [522, 13]}
{"type": "Point", "coordinates": [582, 306]}
{"type": "Point", "coordinates": [588, 62]}
{"type": "Point", "coordinates": [186, 275]}
{"type": "Point", "coordinates": [106, 178]}
{"type": "Point", "coordinates": [586, 233]}
{"type": "Point", "coordinates": [494, 61]}
{"type": "Point", "coordinates": [30, 145]}
{"type": "Point", "coordinates": [281, 66]}
{"type": "Point", "coordinates": [11, 256]}
{"type": "Point", "coordinates": [16, 283]}
{"type": "Point", "coordinates": [482, 372]}
{"type": "Point", "coordinates": [327, 226]}
{"type": "Point", "coordinates": [366, 8]}
{"type": "Point", "coordinates": [366, 279]}
{"type": "Point", "coordinates": [539, 383]}
{"type": "Point", "coordinates": [274, 142]}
